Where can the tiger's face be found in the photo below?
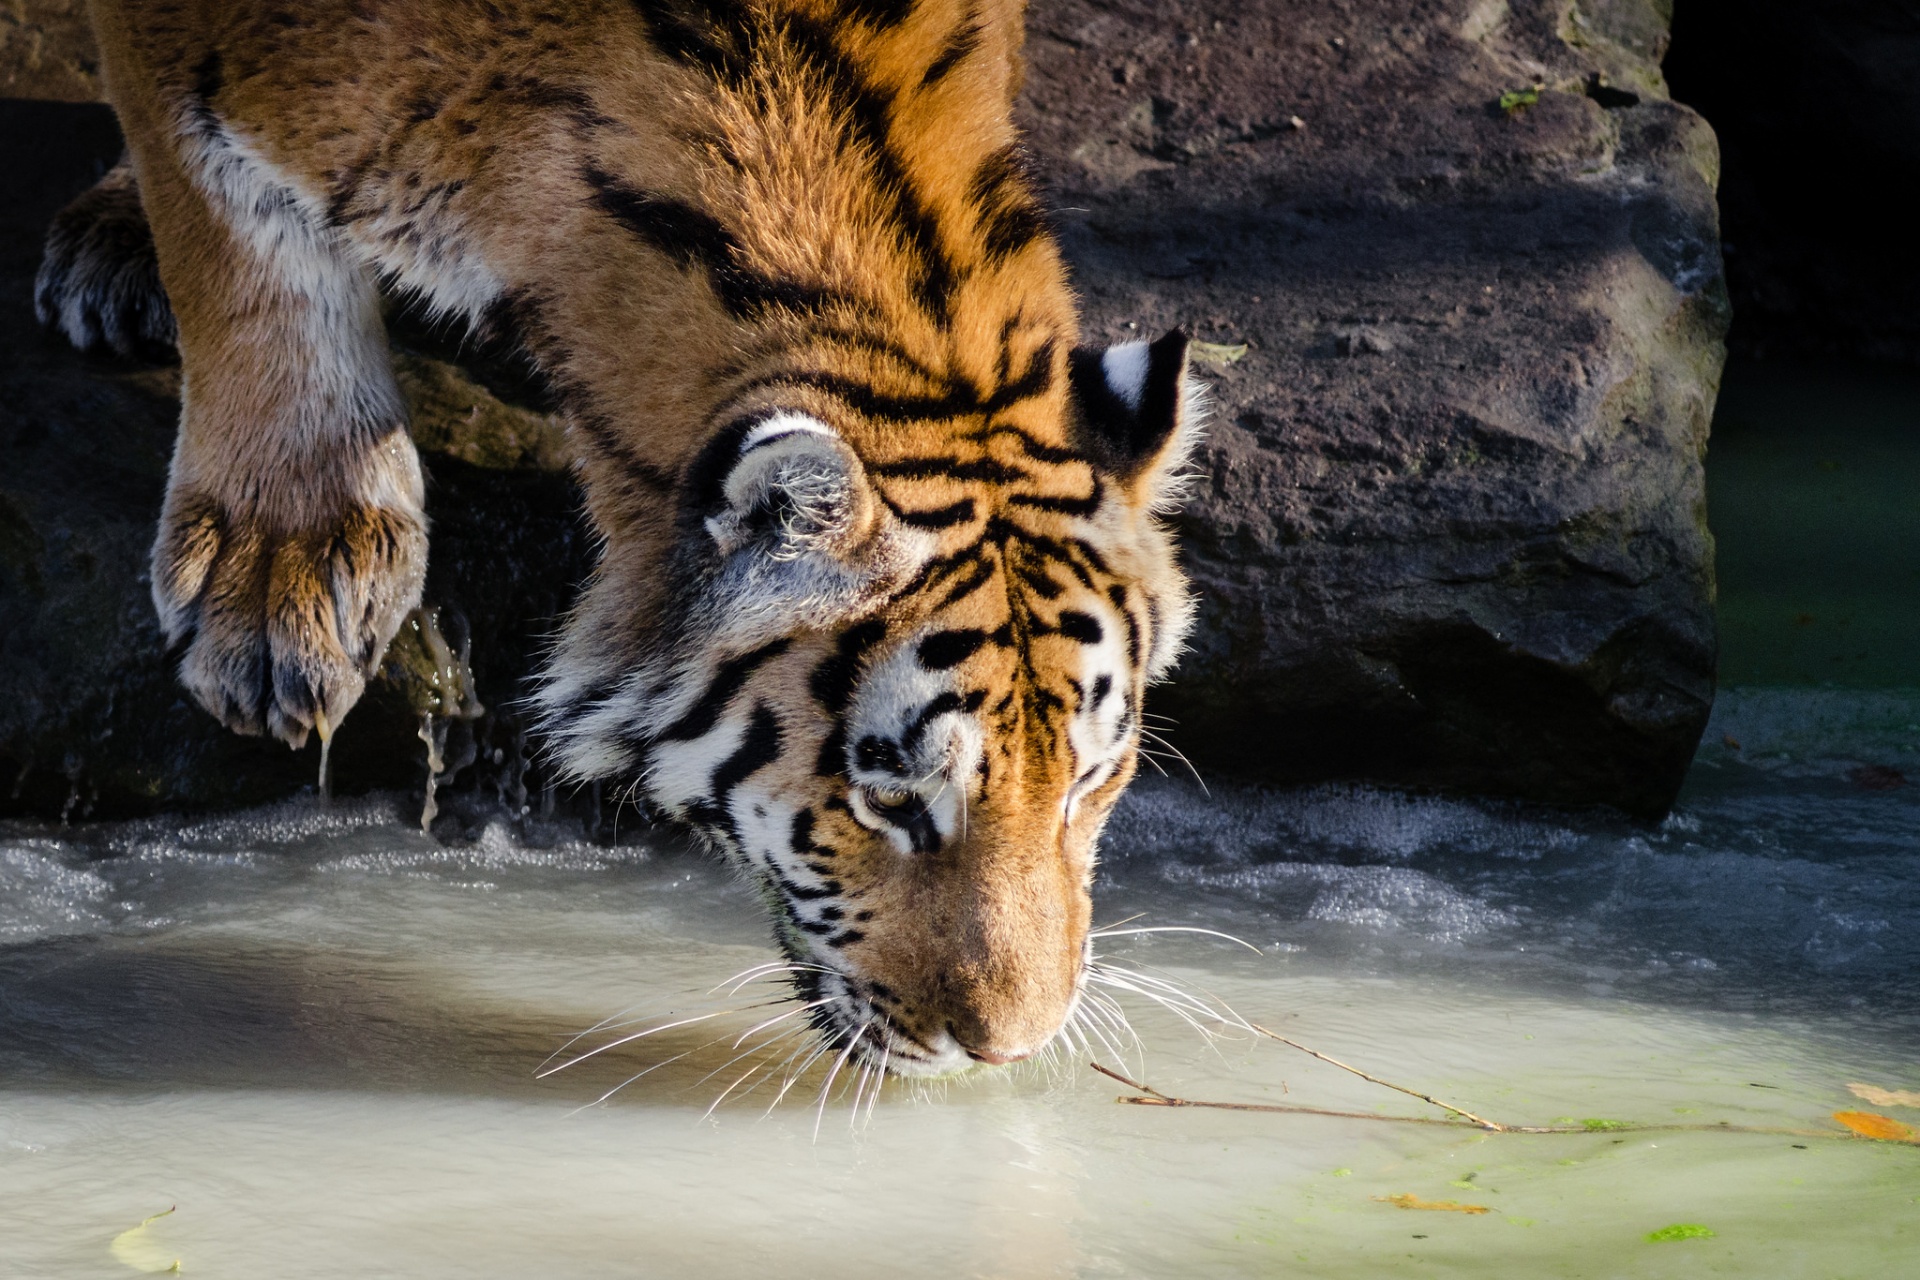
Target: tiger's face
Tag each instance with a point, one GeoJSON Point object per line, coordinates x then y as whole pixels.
{"type": "Point", "coordinates": [902, 691]}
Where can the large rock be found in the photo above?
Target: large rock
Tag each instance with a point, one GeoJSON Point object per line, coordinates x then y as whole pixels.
{"type": "Point", "coordinates": [1449, 529]}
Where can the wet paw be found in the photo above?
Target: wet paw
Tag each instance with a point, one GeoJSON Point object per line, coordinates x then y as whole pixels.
{"type": "Point", "coordinates": [99, 279]}
{"type": "Point", "coordinates": [278, 632]}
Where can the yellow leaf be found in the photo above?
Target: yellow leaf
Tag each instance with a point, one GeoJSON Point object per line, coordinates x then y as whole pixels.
{"type": "Point", "coordinates": [1407, 1200]}
{"type": "Point", "coordinates": [1869, 1125]}
{"type": "Point", "coordinates": [138, 1250]}
{"type": "Point", "coordinates": [1886, 1097]}
{"type": "Point", "coordinates": [1217, 353]}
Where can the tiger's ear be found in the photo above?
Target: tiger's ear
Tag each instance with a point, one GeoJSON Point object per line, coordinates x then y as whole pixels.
{"type": "Point", "coordinates": [795, 490]}
{"type": "Point", "coordinates": [1133, 413]}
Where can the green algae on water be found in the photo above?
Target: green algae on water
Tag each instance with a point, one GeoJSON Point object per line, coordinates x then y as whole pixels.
{"type": "Point", "coordinates": [1680, 1231]}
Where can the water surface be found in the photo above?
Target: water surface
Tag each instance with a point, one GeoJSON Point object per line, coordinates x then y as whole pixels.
{"type": "Point", "coordinates": [317, 1033]}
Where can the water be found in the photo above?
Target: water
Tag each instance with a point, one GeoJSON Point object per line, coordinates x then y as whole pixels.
{"type": "Point", "coordinates": [316, 1032]}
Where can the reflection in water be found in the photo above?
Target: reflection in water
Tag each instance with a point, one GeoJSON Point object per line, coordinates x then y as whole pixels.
{"type": "Point", "coordinates": [321, 1035]}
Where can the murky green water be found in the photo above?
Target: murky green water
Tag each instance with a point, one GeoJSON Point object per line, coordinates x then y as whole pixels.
{"type": "Point", "coordinates": [317, 1034]}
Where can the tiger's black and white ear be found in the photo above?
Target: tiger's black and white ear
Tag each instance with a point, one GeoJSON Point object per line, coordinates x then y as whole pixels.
{"type": "Point", "coordinates": [1136, 414]}
{"type": "Point", "coordinates": [794, 490]}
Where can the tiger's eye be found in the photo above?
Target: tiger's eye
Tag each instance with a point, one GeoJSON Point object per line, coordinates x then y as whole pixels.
{"type": "Point", "coordinates": [888, 798]}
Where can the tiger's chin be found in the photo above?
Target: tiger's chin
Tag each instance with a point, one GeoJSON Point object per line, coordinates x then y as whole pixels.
{"type": "Point", "coordinates": [857, 1034]}
{"type": "Point", "coordinates": [890, 1051]}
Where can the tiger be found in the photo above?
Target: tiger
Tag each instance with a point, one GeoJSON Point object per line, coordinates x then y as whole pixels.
{"type": "Point", "coordinates": [885, 567]}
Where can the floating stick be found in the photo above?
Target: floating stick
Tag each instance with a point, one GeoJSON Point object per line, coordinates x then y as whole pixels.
{"type": "Point", "coordinates": [1482, 1121]}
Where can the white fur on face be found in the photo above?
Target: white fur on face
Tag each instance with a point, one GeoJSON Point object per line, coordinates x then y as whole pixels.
{"type": "Point", "coordinates": [1101, 730]}
{"type": "Point", "coordinates": [931, 757]}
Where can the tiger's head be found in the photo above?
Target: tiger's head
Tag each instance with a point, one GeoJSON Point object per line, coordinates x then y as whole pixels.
{"type": "Point", "coordinates": [895, 675]}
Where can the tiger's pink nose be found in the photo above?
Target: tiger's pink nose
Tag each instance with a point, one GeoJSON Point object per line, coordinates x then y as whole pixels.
{"type": "Point", "coordinates": [996, 1059]}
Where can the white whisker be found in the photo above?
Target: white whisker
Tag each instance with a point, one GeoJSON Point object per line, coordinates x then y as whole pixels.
{"type": "Point", "coordinates": [1177, 928]}
{"type": "Point", "coordinates": [798, 1009]}
{"type": "Point", "coordinates": [641, 1035]}
{"type": "Point", "coordinates": [827, 1088]}
{"type": "Point", "coordinates": [1179, 755]}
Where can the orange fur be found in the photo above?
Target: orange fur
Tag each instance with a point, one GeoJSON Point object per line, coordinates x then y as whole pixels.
{"type": "Point", "coordinates": [882, 583]}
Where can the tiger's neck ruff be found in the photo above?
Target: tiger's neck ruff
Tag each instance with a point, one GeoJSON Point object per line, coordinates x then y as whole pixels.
{"type": "Point", "coordinates": [882, 581]}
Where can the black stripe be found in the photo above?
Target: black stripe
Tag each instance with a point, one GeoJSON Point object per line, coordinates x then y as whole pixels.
{"type": "Point", "coordinates": [603, 436]}
{"type": "Point", "coordinates": [1083, 627]}
{"type": "Point", "coordinates": [209, 77]}
{"type": "Point", "coordinates": [978, 576]}
{"type": "Point", "coordinates": [700, 33]}
{"type": "Point", "coordinates": [833, 680]}
{"type": "Point", "coordinates": [876, 755]}
{"type": "Point", "coordinates": [923, 834]}
{"type": "Point", "coordinates": [802, 834]}
{"type": "Point", "coordinates": [1002, 193]}
{"type": "Point", "coordinates": [948, 701]}
{"type": "Point", "coordinates": [831, 889]}
{"type": "Point", "coordinates": [1043, 584]}
{"type": "Point", "coordinates": [1031, 447]}
{"type": "Point", "coordinates": [863, 398]}
{"type": "Point", "coordinates": [1037, 380]}
{"type": "Point", "coordinates": [940, 518]}
{"type": "Point", "coordinates": [832, 761]}
{"type": "Point", "coordinates": [961, 46]}
{"type": "Point", "coordinates": [693, 238]}
{"type": "Point", "coordinates": [944, 649]}
{"type": "Point", "coordinates": [879, 13]}
{"type": "Point", "coordinates": [1065, 506]}
{"type": "Point", "coordinates": [728, 680]}
{"type": "Point", "coordinates": [983, 469]}
{"type": "Point", "coordinates": [759, 747]}
{"type": "Point", "coordinates": [1118, 594]}
{"type": "Point", "coordinates": [869, 112]}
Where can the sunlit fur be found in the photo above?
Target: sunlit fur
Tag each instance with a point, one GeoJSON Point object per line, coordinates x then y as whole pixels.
{"type": "Point", "coordinates": [882, 582]}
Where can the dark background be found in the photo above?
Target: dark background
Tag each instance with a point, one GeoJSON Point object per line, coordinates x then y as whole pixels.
{"type": "Point", "coordinates": [1817, 106]}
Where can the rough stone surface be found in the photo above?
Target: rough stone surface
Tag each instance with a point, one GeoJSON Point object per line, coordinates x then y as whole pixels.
{"type": "Point", "coordinates": [1449, 528]}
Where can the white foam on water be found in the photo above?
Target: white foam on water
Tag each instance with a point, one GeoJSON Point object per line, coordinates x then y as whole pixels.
{"type": "Point", "coordinates": [41, 896]}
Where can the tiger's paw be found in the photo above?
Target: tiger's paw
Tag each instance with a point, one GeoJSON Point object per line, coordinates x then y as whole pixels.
{"type": "Point", "coordinates": [99, 279]}
{"type": "Point", "coordinates": [278, 632]}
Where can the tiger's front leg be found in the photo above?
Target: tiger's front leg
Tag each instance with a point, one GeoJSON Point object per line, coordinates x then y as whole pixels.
{"type": "Point", "coordinates": [292, 541]}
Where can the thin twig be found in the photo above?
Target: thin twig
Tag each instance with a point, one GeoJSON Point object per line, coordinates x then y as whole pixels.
{"type": "Point", "coordinates": [1482, 1121]}
{"type": "Point", "coordinates": [1154, 1098]}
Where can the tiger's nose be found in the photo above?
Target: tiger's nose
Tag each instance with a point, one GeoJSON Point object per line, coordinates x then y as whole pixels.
{"type": "Point", "coordinates": [991, 1058]}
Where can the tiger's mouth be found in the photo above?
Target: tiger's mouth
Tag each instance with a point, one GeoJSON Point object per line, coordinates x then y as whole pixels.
{"type": "Point", "coordinates": [856, 1029]}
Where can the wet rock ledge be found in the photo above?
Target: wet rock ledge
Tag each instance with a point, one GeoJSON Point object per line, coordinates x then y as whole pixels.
{"type": "Point", "coordinates": [1449, 529]}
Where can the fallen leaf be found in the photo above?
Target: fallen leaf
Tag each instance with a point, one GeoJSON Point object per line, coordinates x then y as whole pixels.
{"type": "Point", "coordinates": [1221, 354]}
{"type": "Point", "coordinates": [1680, 1231]}
{"type": "Point", "coordinates": [1879, 1128]}
{"type": "Point", "coordinates": [1407, 1200]}
{"type": "Point", "coordinates": [1886, 1097]}
{"type": "Point", "coordinates": [138, 1250]}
